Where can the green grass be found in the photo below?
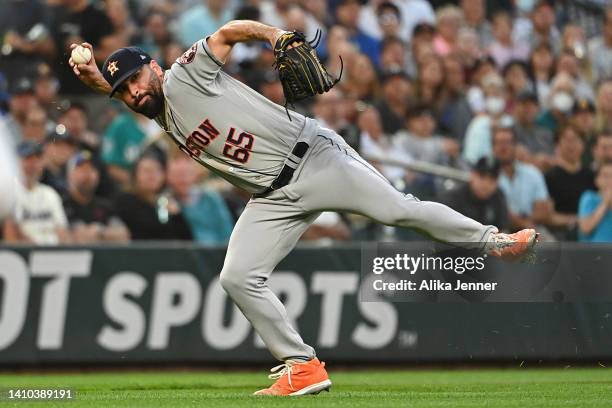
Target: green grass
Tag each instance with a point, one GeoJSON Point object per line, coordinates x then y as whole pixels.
{"type": "Point", "coordinates": [571, 387]}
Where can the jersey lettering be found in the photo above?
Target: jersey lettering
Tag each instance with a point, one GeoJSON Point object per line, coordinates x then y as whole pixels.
{"type": "Point", "coordinates": [238, 146]}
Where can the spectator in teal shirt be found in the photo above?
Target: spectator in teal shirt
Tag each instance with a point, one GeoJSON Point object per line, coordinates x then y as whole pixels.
{"type": "Point", "coordinates": [203, 20]}
{"type": "Point", "coordinates": [122, 145]}
{"type": "Point", "coordinates": [595, 208]}
{"type": "Point", "coordinates": [205, 210]}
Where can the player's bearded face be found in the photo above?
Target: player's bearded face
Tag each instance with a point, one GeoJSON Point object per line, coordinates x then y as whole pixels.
{"type": "Point", "coordinates": [150, 99]}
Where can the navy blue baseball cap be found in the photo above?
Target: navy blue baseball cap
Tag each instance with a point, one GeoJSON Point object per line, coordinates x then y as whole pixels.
{"type": "Point", "coordinates": [29, 148]}
{"type": "Point", "coordinates": [121, 64]}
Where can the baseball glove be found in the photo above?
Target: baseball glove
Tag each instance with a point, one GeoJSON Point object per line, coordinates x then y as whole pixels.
{"type": "Point", "coordinates": [299, 69]}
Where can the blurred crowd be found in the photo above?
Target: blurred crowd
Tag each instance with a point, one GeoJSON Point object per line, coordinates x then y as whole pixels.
{"type": "Point", "coordinates": [515, 96]}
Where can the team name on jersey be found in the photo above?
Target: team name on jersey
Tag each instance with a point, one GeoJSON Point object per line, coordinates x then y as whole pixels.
{"type": "Point", "coordinates": [238, 144]}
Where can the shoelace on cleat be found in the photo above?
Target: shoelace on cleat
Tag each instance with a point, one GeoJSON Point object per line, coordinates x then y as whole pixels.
{"type": "Point", "coordinates": [282, 369]}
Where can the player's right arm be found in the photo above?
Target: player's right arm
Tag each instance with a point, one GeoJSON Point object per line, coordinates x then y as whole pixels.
{"type": "Point", "coordinates": [89, 73]}
{"type": "Point", "coordinates": [222, 41]}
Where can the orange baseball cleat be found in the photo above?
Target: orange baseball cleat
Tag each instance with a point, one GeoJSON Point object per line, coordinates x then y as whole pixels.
{"type": "Point", "coordinates": [298, 378]}
{"type": "Point", "coordinates": [512, 246]}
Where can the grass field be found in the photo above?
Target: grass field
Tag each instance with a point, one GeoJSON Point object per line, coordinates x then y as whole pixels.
{"type": "Point", "coordinates": [571, 387]}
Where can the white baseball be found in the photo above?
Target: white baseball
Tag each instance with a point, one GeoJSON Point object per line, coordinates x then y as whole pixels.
{"type": "Point", "coordinates": [81, 55]}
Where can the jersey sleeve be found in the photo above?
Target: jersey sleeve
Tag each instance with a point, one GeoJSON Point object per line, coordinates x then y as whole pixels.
{"type": "Point", "coordinates": [199, 63]}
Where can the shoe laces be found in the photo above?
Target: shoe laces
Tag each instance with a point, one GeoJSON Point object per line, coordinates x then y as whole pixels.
{"type": "Point", "coordinates": [502, 240]}
{"type": "Point", "coordinates": [498, 241]}
{"type": "Point", "coordinates": [281, 370]}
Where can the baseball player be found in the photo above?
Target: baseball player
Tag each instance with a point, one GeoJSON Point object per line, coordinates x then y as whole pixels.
{"type": "Point", "coordinates": [294, 169]}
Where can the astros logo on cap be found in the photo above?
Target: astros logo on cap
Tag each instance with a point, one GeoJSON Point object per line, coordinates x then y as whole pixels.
{"type": "Point", "coordinates": [112, 68]}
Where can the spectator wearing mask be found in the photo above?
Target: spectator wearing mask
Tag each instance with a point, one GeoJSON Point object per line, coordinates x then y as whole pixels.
{"type": "Point", "coordinates": [566, 182]}
{"type": "Point", "coordinates": [480, 198]}
{"type": "Point", "coordinates": [503, 49]}
{"type": "Point", "coordinates": [39, 216]}
{"type": "Point", "coordinates": [478, 135]}
{"type": "Point", "coordinates": [523, 185]}
{"type": "Point", "coordinates": [204, 209]}
{"type": "Point", "coordinates": [536, 143]}
{"type": "Point", "coordinates": [561, 102]}
{"type": "Point", "coordinates": [568, 63]}
{"type": "Point", "coordinates": [92, 219]}
{"type": "Point", "coordinates": [477, 71]}
{"type": "Point", "coordinates": [150, 213]}
{"type": "Point", "coordinates": [595, 208]}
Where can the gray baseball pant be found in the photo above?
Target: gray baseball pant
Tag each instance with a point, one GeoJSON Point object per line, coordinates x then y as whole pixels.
{"type": "Point", "coordinates": [331, 177]}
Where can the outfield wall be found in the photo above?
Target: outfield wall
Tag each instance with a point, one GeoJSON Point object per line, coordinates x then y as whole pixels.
{"type": "Point", "coordinates": [163, 304]}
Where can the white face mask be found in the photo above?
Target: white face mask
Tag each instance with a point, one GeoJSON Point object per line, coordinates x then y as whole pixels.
{"type": "Point", "coordinates": [562, 101]}
{"type": "Point", "coordinates": [495, 104]}
{"type": "Point", "coordinates": [526, 6]}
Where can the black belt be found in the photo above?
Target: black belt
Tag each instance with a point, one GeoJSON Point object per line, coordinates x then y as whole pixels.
{"type": "Point", "coordinates": [291, 163]}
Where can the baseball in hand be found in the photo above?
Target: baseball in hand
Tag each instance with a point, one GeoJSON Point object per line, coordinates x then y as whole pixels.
{"type": "Point", "coordinates": [81, 55]}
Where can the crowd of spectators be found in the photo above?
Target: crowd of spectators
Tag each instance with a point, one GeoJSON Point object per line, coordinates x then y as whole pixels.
{"type": "Point", "coordinates": [515, 93]}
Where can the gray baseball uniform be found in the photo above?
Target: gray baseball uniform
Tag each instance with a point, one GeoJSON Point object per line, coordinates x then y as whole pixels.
{"type": "Point", "coordinates": [247, 139]}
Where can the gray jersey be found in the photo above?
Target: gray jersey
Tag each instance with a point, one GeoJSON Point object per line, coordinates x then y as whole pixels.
{"type": "Point", "coordinates": [225, 125]}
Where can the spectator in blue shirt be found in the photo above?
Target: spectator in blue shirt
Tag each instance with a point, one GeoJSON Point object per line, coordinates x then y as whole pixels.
{"type": "Point", "coordinates": [595, 208]}
{"type": "Point", "coordinates": [203, 20]}
{"type": "Point", "coordinates": [204, 209]}
{"type": "Point", "coordinates": [347, 14]}
{"type": "Point", "coordinates": [522, 184]}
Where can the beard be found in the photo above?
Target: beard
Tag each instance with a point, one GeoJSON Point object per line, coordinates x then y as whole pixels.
{"type": "Point", "coordinates": [86, 190]}
{"type": "Point", "coordinates": [154, 104]}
